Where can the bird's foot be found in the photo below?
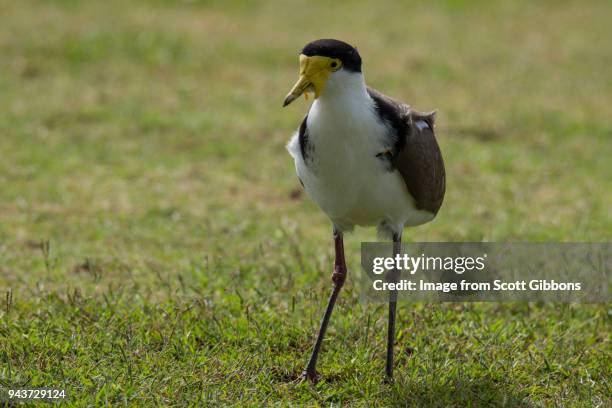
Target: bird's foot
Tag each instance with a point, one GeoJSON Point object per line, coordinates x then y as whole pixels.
{"type": "Point", "coordinates": [389, 380]}
{"type": "Point", "coordinates": [309, 375]}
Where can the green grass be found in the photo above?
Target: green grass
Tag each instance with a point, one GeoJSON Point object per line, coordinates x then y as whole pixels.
{"type": "Point", "coordinates": [155, 246]}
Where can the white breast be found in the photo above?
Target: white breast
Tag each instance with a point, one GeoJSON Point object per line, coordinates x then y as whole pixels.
{"type": "Point", "coordinates": [343, 175]}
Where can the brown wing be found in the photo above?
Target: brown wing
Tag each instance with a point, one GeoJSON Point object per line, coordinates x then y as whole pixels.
{"type": "Point", "coordinates": [413, 150]}
{"type": "Point", "coordinates": [420, 162]}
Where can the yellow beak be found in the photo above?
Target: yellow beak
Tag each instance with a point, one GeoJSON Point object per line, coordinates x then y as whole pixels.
{"type": "Point", "coordinates": [314, 73]}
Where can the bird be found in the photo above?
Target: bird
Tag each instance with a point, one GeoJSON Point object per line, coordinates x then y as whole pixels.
{"type": "Point", "coordinates": [365, 159]}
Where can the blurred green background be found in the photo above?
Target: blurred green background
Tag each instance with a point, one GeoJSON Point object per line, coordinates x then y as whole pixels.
{"type": "Point", "coordinates": [155, 244]}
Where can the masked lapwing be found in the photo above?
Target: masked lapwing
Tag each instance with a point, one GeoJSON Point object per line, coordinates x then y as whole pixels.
{"type": "Point", "coordinates": [364, 158]}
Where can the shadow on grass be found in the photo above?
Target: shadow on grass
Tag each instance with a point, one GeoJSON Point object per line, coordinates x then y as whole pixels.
{"type": "Point", "coordinates": [453, 391]}
{"type": "Point", "coordinates": [459, 392]}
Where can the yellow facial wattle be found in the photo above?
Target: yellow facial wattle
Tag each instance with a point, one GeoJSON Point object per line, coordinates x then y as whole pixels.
{"type": "Point", "coordinates": [314, 73]}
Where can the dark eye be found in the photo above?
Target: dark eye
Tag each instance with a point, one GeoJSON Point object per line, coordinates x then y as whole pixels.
{"type": "Point", "coordinates": [334, 64]}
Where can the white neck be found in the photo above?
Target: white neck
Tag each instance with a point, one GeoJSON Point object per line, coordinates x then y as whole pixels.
{"type": "Point", "coordinates": [345, 98]}
{"type": "Point", "coordinates": [343, 85]}
{"type": "Point", "coordinates": [344, 110]}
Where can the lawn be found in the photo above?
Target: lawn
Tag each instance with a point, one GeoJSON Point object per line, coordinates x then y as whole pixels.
{"type": "Point", "coordinates": [156, 246]}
